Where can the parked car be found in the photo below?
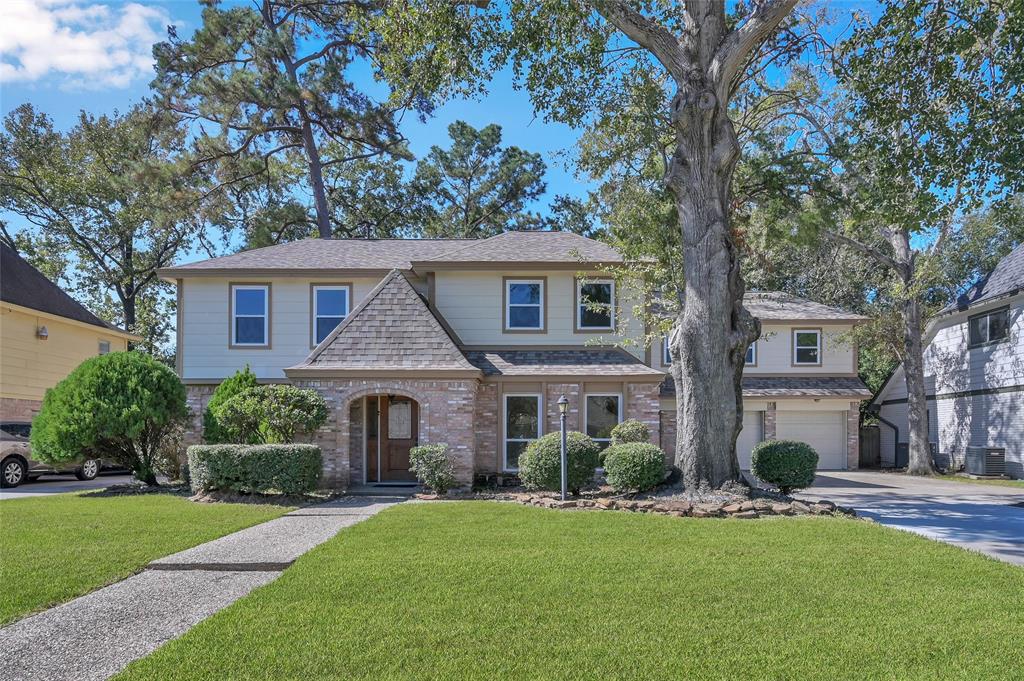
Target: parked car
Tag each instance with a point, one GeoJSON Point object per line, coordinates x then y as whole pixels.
{"type": "Point", "coordinates": [17, 465]}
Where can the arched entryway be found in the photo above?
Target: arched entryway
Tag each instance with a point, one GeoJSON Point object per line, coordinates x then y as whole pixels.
{"type": "Point", "coordinates": [392, 428]}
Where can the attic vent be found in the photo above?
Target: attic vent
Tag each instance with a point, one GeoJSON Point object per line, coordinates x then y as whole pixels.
{"type": "Point", "coordinates": [986, 461]}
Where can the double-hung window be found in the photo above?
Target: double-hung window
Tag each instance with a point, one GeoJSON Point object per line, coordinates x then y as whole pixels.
{"type": "Point", "coordinates": [250, 315]}
{"type": "Point", "coordinates": [522, 426]}
{"type": "Point", "coordinates": [595, 301]}
{"type": "Point", "coordinates": [666, 354]}
{"type": "Point", "coordinates": [524, 304]}
{"type": "Point", "coordinates": [330, 307]}
{"type": "Point", "coordinates": [751, 358]}
{"type": "Point", "coordinates": [990, 327]}
{"type": "Point", "coordinates": [603, 412]}
{"type": "Point", "coordinates": [806, 347]}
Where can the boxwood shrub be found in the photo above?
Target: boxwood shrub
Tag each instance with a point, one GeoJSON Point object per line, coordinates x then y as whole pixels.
{"type": "Point", "coordinates": [264, 469]}
{"type": "Point", "coordinates": [787, 464]}
{"type": "Point", "coordinates": [634, 466]}
{"type": "Point", "coordinates": [433, 466]}
{"type": "Point", "coordinates": [540, 466]}
{"type": "Point", "coordinates": [630, 430]}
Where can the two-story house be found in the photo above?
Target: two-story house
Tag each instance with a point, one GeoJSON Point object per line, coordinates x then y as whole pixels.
{"type": "Point", "coordinates": [974, 377]}
{"type": "Point", "coordinates": [472, 342]}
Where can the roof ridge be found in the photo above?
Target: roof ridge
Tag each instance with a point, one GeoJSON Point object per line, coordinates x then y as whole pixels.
{"type": "Point", "coordinates": [473, 242]}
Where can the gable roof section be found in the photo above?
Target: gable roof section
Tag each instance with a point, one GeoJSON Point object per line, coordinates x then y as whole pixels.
{"type": "Point", "coordinates": [1005, 280]}
{"type": "Point", "coordinates": [549, 248]}
{"type": "Point", "coordinates": [779, 306]}
{"type": "Point", "coordinates": [321, 254]}
{"type": "Point", "coordinates": [391, 331]}
{"type": "Point", "coordinates": [25, 286]}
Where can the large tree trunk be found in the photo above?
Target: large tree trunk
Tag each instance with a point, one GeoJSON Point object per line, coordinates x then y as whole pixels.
{"type": "Point", "coordinates": [713, 329]}
{"type": "Point", "coordinates": [917, 406]}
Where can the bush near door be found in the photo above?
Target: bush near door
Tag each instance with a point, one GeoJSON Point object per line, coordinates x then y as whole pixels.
{"type": "Point", "coordinates": [262, 469]}
{"type": "Point", "coordinates": [433, 467]}
{"type": "Point", "coordinates": [540, 466]}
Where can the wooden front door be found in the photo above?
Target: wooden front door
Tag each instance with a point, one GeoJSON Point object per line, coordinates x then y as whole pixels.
{"type": "Point", "coordinates": [397, 433]}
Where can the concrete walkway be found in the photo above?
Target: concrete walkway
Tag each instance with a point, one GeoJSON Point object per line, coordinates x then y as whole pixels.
{"type": "Point", "coordinates": [985, 518]}
{"type": "Point", "coordinates": [97, 635]}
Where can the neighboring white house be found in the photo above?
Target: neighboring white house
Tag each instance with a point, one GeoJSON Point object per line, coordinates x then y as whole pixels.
{"type": "Point", "coordinates": [473, 342]}
{"type": "Point", "coordinates": [974, 376]}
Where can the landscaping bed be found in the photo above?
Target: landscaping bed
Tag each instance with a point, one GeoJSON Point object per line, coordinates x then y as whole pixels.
{"type": "Point", "coordinates": [483, 590]}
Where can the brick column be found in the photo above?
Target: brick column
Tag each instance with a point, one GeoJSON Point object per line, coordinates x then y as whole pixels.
{"type": "Point", "coordinates": [574, 418]}
{"type": "Point", "coordinates": [643, 403]}
{"type": "Point", "coordinates": [769, 422]}
{"type": "Point", "coordinates": [853, 436]}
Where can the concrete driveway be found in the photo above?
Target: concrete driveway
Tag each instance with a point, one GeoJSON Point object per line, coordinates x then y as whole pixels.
{"type": "Point", "coordinates": [59, 484]}
{"type": "Point", "coordinates": [979, 517]}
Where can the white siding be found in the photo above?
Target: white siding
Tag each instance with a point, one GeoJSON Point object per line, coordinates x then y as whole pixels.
{"type": "Point", "coordinates": [752, 433]}
{"type": "Point", "coordinates": [205, 329]}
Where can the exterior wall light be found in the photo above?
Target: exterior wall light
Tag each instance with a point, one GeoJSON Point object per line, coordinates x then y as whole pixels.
{"type": "Point", "coordinates": [42, 333]}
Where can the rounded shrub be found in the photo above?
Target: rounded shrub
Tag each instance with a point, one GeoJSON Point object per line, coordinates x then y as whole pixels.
{"type": "Point", "coordinates": [120, 406]}
{"type": "Point", "coordinates": [630, 430]}
{"type": "Point", "coordinates": [273, 413]}
{"type": "Point", "coordinates": [540, 466]}
{"type": "Point", "coordinates": [263, 469]}
{"type": "Point", "coordinates": [213, 432]}
{"type": "Point", "coordinates": [634, 466]}
{"type": "Point", "coordinates": [787, 464]}
{"type": "Point", "coordinates": [433, 466]}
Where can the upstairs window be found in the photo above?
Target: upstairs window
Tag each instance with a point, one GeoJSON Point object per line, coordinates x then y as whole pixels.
{"type": "Point", "coordinates": [524, 304]}
{"type": "Point", "coordinates": [991, 327]}
{"type": "Point", "coordinates": [594, 305]}
{"type": "Point", "coordinates": [250, 314]}
{"type": "Point", "coordinates": [330, 307]}
{"type": "Point", "coordinates": [751, 358]}
{"type": "Point", "coordinates": [806, 347]}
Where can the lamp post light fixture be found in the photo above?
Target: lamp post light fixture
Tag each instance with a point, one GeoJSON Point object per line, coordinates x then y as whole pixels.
{"type": "Point", "coordinates": [563, 409]}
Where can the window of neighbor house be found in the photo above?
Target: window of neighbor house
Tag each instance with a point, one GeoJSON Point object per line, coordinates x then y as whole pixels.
{"type": "Point", "coordinates": [751, 358]}
{"type": "Point", "coordinates": [104, 348]}
{"type": "Point", "coordinates": [594, 305]}
{"type": "Point", "coordinates": [522, 426]}
{"type": "Point", "coordinates": [603, 412]}
{"type": "Point", "coordinates": [666, 355]}
{"type": "Point", "coordinates": [330, 307]}
{"type": "Point", "coordinates": [524, 304]}
{"type": "Point", "coordinates": [250, 313]}
{"type": "Point", "coordinates": [991, 327]}
{"type": "Point", "coordinates": [806, 346]}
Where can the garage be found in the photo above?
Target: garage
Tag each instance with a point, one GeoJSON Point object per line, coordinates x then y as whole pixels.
{"type": "Point", "coordinates": [752, 433]}
{"type": "Point", "coordinates": [823, 430]}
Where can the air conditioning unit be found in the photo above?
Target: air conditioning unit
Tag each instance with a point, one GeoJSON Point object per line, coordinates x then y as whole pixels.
{"type": "Point", "coordinates": [986, 461]}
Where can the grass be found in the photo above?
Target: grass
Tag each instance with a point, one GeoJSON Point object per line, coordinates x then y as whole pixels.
{"type": "Point", "coordinates": [55, 548]}
{"type": "Point", "coordinates": [999, 483]}
{"type": "Point", "coordinates": [487, 590]}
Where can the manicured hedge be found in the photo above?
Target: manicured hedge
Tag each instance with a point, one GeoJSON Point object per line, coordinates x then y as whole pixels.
{"type": "Point", "coordinates": [630, 430]}
{"type": "Point", "coordinates": [433, 466]}
{"type": "Point", "coordinates": [787, 464]}
{"type": "Point", "coordinates": [282, 469]}
{"type": "Point", "coordinates": [634, 466]}
{"type": "Point", "coordinates": [540, 466]}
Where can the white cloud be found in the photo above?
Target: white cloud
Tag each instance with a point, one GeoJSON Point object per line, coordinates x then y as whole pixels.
{"type": "Point", "coordinates": [83, 44]}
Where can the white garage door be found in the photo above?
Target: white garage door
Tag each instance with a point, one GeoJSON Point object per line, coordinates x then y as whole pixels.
{"type": "Point", "coordinates": [749, 436]}
{"type": "Point", "coordinates": [823, 430]}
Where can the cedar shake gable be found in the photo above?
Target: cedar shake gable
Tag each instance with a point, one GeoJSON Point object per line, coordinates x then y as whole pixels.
{"type": "Point", "coordinates": [391, 330]}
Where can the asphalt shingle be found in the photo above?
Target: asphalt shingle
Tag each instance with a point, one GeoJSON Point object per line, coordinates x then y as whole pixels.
{"type": "Point", "coordinates": [576, 362]}
{"type": "Point", "coordinates": [793, 386]}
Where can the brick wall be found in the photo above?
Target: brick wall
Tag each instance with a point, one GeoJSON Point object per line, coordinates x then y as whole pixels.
{"type": "Point", "coordinates": [487, 457]}
{"type": "Point", "coordinates": [574, 416]}
{"type": "Point", "coordinates": [643, 403]}
{"type": "Point", "coordinates": [769, 422]}
{"type": "Point", "coordinates": [196, 397]}
{"type": "Point", "coordinates": [15, 409]}
{"type": "Point", "coordinates": [853, 436]}
{"type": "Point", "coordinates": [355, 430]}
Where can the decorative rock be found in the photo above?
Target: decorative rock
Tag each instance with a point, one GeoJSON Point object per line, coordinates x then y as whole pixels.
{"type": "Point", "coordinates": [585, 503]}
{"type": "Point", "coordinates": [733, 508]}
{"type": "Point", "coordinates": [745, 515]}
{"type": "Point", "coordinates": [627, 505]}
{"type": "Point", "coordinates": [678, 507]}
{"type": "Point", "coordinates": [821, 509]}
{"type": "Point", "coordinates": [762, 505]}
{"type": "Point", "coordinates": [558, 503]}
{"type": "Point", "coordinates": [645, 505]}
{"type": "Point", "coordinates": [827, 504]}
{"type": "Point", "coordinates": [604, 503]}
{"type": "Point", "coordinates": [801, 507]}
{"type": "Point", "coordinates": [782, 509]}
{"type": "Point", "coordinates": [747, 506]}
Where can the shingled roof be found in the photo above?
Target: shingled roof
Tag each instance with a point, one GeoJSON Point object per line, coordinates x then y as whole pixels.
{"type": "Point", "coordinates": [1006, 279]}
{"type": "Point", "coordinates": [528, 247]}
{"type": "Point", "coordinates": [392, 330]}
{"type": "Point", "coordinates": [611, 362]}
{"type": "Point", "coordinates": [793, 386]}
{"type": "Point", "coordinates": [24, 285]}
{"type": "Point", "coordinates": [775, 305]}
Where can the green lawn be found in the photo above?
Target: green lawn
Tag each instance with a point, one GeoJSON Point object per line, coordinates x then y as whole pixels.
{"type": "Point", "coordinates": [1000, 483]}
{"type": "Point", "coordinates": [487, 590]}
{"type": "Point", "coordinates": [55, 548]}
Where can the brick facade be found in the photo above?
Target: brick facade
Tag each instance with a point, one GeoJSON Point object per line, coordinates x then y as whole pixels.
{"type": "Point", "coordinates": [14, 409]}
{"type": "Point", "coordinates": [486, 428]}
{"type": "Point", "coordinates": [574, 414]}
{"type": "Point", "coordinates": [769, 421]}
{"type": "Point", "coordinates": [853, 436]}
{"type": "Point", "coordinates": [196, 397]}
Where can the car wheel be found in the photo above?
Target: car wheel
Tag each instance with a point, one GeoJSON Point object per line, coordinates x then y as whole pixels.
{"type": "Point", "coordinates": [12, 472]}
{"type": "Point", "coordinates": [89, 470]}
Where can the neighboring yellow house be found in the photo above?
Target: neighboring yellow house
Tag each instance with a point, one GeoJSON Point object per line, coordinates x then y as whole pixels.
{"type": "Point", "coordinates": [44, 335]}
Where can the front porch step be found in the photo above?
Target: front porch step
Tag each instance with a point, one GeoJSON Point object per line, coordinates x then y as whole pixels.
{"type": "Point", "coordinates": [381, 490]}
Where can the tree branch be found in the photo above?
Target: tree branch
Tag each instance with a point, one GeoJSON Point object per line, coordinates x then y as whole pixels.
{"type": "Point", "coordinates": [734, 52]}
{"type": "Point", "coordinates": [645, 32]}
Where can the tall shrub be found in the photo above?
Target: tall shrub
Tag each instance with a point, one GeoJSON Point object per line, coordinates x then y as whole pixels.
{"type": "Point", "coordinates": [540, 466]}
{"type": "Point", "coordinates": [273, 413]}
{"type": "Point", "coordinates": [433, 466]}
{"type": "Point", "coordinates": [630, 430]}
{"type": "Point", "coordinates": [213, 432]}
{"type": "Point", "coordinates": [119, 406]}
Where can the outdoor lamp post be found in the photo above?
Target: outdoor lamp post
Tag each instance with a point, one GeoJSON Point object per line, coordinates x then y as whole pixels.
{"type": "Point", "coordinates": [563, 409]}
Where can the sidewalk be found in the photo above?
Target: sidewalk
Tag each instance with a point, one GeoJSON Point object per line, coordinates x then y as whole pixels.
{"type": "Point", "coordinates": [97, 635]}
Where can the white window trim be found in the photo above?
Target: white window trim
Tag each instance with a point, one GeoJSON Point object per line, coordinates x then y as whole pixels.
{"type": "Point", "coordinates": [586, 413]}
{"type": "Point", "coordinates": [509, 305]}
{"type": "Point", "coordinates": [817, 334]}
{"type": "Point", "coordinates": [987, 316]}
{"type": "Point", "coordinates": [666, 357]}
{"type": "Point", "coordinates": [753, 360]}
{"type": "Point", "coordinates": [316, 313]}
{"type": "Point", "coordinates": [580, 305]}
{"type": "Point", "coordinates": [505, 439]}
{"type": "Point", "coordinates": [235, 315]}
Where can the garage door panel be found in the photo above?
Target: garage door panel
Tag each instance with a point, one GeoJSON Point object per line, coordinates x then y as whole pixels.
{"type": "Point", "coordinates": [749, 436]}
{"type": "Point", "coordinates": [825, 431]}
